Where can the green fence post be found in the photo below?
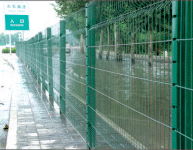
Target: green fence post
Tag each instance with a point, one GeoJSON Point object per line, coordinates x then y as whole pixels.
{"type": "Point", "coordinates": [188, 74]}
{"type": "Point", "coordinates": [50, 71]}
{"type": "Point", "coordinates": [41, 59]}
{"type": "Point", "coordinates": [33, 51]}
{"type": "Point", "coordinates": [31, 56]}
{"type": "Point", "coordinates": [36, 55]}
{"type": "Point", "coordinates": [23, 55]}
{"type": "Point", "coordinates": [20, 53]}
{"type": "Point", "coordinates": [24, 50]}
{"type": "Point", "coordinates": [25, 42]}
{"type": "Point", "coordinates": [20, 50]}
{"type": "Point", "coordinates": [16, 47]}
{"type": "Point", "coordinates": [26, 53]}
{"type": "Point", "coordinates": [90, 75]}
{"type": "Point", "coordinates": [33, 47]}
{"type": "Point", "coordinates": [182, 75]}
{"type": "Point", "coordinates": [175, 46]}
{"type": "Point", "coordinates": [62, 65]}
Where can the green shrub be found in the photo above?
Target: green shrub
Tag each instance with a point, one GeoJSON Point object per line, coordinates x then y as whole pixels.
{"type": "Point", "coordinates": [6, 50]}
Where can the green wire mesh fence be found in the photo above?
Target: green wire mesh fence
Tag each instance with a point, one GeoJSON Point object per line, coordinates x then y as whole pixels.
{"type": "Point", "coordinates": [119, 72]}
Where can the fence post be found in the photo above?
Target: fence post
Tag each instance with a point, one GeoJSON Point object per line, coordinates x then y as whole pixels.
{"type": "Point", "coordinates": [175, 46]}
{"type": "Point", "coordinates": [24, 50]}
{"type": "Point", "coordinates": [20, 50]}
{"type": "Point", "coordinates": [26, 53]}
{"type": "Point", "coordinates": [34, 58]}
{"type": "Point", "coordinates": [182, 75]}
{"type": "Point", "coordinates": [62, 65]}
{"type": "Point", "coordinates": [188, 74]}
{"type": "Point", "coordinates": [16, 48]}
{"type": "Point", "coordinates": [30, 53]}
{"type": "Point", "coordinates": [50, 71]}
{"type": "Point", "coordinates": [41, 59]}
{"type": "Point", "coordinates": [90, 75]}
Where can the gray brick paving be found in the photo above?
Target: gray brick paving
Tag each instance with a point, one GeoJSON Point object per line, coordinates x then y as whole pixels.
{"type": "Point", "coordinates": [39, 123]}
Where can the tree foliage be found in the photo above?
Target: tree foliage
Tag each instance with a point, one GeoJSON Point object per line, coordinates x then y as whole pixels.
{"type": "Point", "coordinates": [66, 7]}
{"type": "Point", "coordinates": [4, 38]}
{"type": "Point", "coordinates": [139, 17]}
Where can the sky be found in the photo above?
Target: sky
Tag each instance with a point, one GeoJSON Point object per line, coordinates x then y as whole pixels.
{"type": "Point", "coordinates": [41, 16]}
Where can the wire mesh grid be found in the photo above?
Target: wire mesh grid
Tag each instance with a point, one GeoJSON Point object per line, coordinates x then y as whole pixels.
{"type": "Point", "coordinates": [133, 74]}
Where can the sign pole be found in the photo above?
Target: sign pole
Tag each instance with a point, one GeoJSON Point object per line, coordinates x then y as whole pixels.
{"type": "Point", "coordinates": [23, 35]}
{"type": "Point", "coordinates": [10, 40]}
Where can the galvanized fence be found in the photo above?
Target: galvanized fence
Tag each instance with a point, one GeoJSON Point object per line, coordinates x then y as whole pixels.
{"type": "Point", "coordinates": [121, 72]}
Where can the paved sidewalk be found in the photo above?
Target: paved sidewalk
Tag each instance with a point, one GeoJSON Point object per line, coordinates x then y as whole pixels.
{"type": "Point", "coordinates": [35, 121]}
{"type": "Point", "coordinates": [6, 72]}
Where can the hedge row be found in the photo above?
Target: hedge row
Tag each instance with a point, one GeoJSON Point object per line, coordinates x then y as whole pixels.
{"type": "Point", "coordinates": [7, 50]}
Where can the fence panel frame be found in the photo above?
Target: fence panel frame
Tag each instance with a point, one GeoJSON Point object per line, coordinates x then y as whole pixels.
{"type": "Point", "coordinates": [62, 65]}
{"type": "Point", "coordinates": [90, 76]}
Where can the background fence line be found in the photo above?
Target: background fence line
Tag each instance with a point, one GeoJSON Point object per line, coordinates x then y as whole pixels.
{"type": "Point", "coordinates": [121, 72]}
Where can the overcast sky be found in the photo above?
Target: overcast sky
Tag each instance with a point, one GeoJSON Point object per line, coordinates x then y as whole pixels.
{"type": "Point", "coordinates": [41, 16]}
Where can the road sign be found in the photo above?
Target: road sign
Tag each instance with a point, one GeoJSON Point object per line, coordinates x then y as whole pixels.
{"type": "Point", "coordinates": [16, 22]}
{"type": "Point", "coordinates": [16, 15]}
{"type": "Point", "coordinates": [16, 8]}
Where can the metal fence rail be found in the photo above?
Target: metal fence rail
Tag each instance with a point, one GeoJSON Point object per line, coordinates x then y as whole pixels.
{"type": "Point", "coordinates": [121, 72]}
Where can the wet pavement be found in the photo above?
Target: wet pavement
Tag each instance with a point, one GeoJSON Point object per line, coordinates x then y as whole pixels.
{"type": "Point", "coordinates": [6, 72]}
{"type": "Point", "coordinates": [35, 120]}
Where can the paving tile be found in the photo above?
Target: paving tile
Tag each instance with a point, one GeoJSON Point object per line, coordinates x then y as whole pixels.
{"type": "Point", "coordinates": [40, 125]}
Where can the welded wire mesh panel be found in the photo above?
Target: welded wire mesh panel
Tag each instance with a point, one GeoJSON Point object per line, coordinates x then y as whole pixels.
{"type": "Point", "coordinates": [132, 107]}
{"type": "Point", "coordinates": [76, 71]}
{"type": "Point", "coordinates": [55, 40]}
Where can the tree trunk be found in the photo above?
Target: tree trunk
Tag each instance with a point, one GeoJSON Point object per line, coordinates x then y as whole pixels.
{"type": "Point", "coordinates": [117, 42]}
{"type": "Point", "coordinates": [101, 45]}
{"type": "Point", "coordinates": [108, 51]}
{"type": "Point", "coordinates": [133, 49]}
{"type": "Point", "coordinates": [150, 47]}
{"type": "Point", "coordinates": [82, 44]}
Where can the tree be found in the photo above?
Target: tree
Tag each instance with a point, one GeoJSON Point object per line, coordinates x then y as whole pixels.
{"type": "Point", "coordinates": [65, 7]}
{"type": "Point", "coordinates": [137, 21]}
{"type": "Point", "coordinates": [4, 39]}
